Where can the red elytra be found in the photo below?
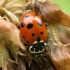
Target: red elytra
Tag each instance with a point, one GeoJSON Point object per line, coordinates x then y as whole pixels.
{"type": "Point", "coordinates": [32, 27]}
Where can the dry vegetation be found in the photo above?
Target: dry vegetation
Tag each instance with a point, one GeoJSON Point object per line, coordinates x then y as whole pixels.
{"type": "Point", "coordinates": [13, 54]}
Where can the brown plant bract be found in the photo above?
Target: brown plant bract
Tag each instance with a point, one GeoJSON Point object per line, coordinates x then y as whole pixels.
{"type": "Point", "coordinates": [60, 57]}
{"type": "Point", "coordinates": [51, 14]}
{"type": "Point", "coordinates": [9, 41]}
{"type": "Point", "coordinates": [11, 32]}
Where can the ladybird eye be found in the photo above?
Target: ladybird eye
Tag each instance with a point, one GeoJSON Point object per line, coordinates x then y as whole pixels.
{"type": "Point", "coordinates": [40, 23]}
{"type": "Point", "coordinates": [22, 24]}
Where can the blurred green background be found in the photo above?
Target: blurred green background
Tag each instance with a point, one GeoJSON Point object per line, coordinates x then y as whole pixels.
{"type": "Point", "coordinates": [63, 4]}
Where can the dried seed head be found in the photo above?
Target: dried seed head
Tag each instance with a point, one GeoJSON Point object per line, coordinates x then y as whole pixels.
{"type": "Point", "coordinates": [11, 32]}
{"type": "Point", "coordinates": [11, 10]}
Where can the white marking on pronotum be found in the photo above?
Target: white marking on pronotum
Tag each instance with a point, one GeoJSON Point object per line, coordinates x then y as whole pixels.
{"type": "Point", "coordinates": [30, 48]}
{"type": "Point", "coordinates": [41, 41]}
{"type": "Point", "coordinates": [35, 42]}
{"type": "Point", "coordinates": [43, 50]}
{"type": "Point", "coordinates": [34, 50]}
{"type": "Point", "coordinates": [45, 44]}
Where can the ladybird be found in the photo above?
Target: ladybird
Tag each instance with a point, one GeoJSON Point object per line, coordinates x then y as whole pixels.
{"type": "Point", "coordinates": [34, 32]}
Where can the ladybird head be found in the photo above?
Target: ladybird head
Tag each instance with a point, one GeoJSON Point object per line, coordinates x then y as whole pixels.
{"type": "Point", "coordinates": [38, 48]}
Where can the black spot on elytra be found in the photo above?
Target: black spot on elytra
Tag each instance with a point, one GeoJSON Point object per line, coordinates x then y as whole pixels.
{"type": "Point", "coordinates": [33, 34]}
{"type": "Point", "coordinates": [23, 36]}
{"type": "Point", "coordinates": [41, 32]}
{"type": "Point", "coordinates": [27, 41]}
{"type": "Point", "coordinates": [30, 25]}
{"type": "Point", "coordinates": [22, 24]}
{"type": "Point", "coordinates": [40, 23]}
